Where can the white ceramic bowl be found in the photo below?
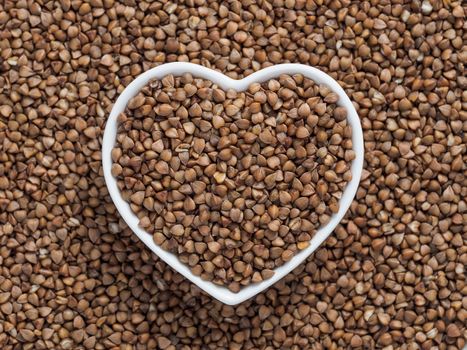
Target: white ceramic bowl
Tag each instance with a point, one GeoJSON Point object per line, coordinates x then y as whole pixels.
{"type": "Point", "coordinates": [178, 68]}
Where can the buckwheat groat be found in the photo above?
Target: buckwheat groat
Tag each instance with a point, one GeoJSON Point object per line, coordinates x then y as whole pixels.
{"type": "Point", "coordinates": [390, 276]}
{"type": "Point", "coordinates": [234, 183]}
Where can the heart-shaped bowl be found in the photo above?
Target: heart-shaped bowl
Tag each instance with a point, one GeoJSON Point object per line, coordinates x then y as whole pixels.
{"type": "Point", "coordinates": [179, 68]}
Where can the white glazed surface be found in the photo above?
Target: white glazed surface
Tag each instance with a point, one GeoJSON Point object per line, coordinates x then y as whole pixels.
{"type": "Point", "coordinates": [178, 68]}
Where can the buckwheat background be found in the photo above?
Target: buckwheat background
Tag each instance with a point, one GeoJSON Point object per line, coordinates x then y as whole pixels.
{"type": "Point", "coordinates": [73, 276]}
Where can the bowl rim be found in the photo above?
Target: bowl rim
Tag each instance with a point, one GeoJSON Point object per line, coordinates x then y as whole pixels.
{"type": "Point", "coordinates": [222, 293]}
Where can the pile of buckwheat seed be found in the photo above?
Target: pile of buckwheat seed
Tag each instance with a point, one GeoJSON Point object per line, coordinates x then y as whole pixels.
{"type": "Point", "coordinates": [391, 276]}
{"type": "Point", "coordinates": [233, 183]}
